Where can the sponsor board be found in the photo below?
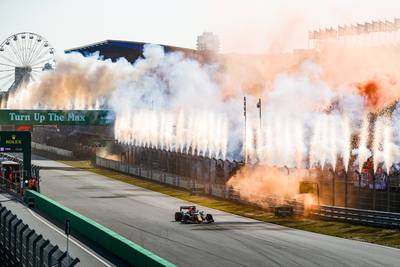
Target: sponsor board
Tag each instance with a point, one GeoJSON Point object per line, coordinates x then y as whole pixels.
{"type": "Point", "coordinates": [56, 117]}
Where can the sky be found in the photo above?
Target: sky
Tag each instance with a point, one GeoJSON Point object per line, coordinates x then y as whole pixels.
{"type": "Point", "coordinates": [243, 26]}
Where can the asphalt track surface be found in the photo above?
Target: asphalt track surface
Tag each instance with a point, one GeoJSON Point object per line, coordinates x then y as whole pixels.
{"type": "Point", "coordinates": [146, 217]}
{"type": "Point", "coordinates": [53, 233]}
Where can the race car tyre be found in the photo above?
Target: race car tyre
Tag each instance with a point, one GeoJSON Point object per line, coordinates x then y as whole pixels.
{"type": "Point", "coordinates": [185, 218]}
{"type": "Point", "coordinates": [209, 218]}
{"type": "Point", "coordinates": [178, 216]}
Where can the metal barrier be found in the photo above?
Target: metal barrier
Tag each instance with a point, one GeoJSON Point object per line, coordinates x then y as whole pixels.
{"type": "Point", "coordinates": [22, 246]}
{"type": "Point", "coordinates": [365, 217]}
{"type": "Point", "coordinates": [34, 169]}
{"type": "Point", "coordinates": [14, 185]}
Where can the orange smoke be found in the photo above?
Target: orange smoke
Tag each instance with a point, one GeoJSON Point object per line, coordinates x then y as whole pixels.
{"type": "Point", "coordinates": [370, 90]}
{"type": "Point", "coordinates": [104, 152]}
{"type": "Point", "coordinates": [371, 72]}
{"type": "Point", "coordinates": [269, 186]}
{"type": "Point", "coordinates": [378, 92]}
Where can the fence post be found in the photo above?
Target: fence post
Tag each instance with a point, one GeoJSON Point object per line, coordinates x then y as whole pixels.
{"type": "Point", "coordinates": [209, 176]}
{"type": "Point", "coordinates": [151, 162]}
{"type": "Point", "coordinates": [139, 170]}
{"type": "Point", "coordinates": [333, 186]}
{"type": "Point", "coordinates": [176, 164]}
{"type": "Point", "coordinates": [388, 193]}
{"type": "Point", "coordinates": [373, 191]}
{"type": "Point", "coordinates": [345, 188]}
{"type": "Point", "coordinates": [127, 160]}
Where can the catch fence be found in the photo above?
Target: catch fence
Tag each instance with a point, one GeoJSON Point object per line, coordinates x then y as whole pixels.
{"type": "Point", "coordinates": [195, 173]}
{"type": "Point", "coordinates": [360, 190]}
{"type": "Point", "coordinates": [352, 189]}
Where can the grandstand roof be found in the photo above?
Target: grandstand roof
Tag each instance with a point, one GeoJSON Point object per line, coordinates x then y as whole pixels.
{"type": "Point", "coordinates": [114, 49]}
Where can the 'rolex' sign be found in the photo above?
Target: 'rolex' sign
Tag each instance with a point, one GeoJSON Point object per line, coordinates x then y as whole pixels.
{"type": "Point", "coordinates": [56, 117]}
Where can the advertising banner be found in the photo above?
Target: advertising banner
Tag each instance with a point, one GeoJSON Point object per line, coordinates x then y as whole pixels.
{"type": "Point", "coordinates": [56, 117]}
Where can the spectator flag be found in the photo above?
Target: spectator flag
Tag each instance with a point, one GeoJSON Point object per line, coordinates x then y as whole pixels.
{"type": "Point", "coordinates": [390, 26]}
{"type": "Point", "coordinates": [368, 27]}
{"type": "Point", "coordinates": [361, 28]}
{"type": "Point", "coordinates": [375, 26]}
{"type": "Point", "coordinates": [319, 34]}
{"type": "Point", "coordinates": [382, 26]}
{"type": "Point", "coordinates": [396, 24]}
{"type": "Point", "coordinates": [342, 30]}
{"type": "Point", "coordinates": [353, 30]}
{"type": "Point", "coordinates": [331, 33]}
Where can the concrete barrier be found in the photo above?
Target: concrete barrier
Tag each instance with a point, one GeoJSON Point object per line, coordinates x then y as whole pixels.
{"type": "Point", "coordinates": [52, 149]}
{"type": "Point", "coordinates": [125, 249]}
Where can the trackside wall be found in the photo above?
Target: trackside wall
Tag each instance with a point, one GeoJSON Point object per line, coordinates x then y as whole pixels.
{"type": "Point", "coordinates": [127, 250]}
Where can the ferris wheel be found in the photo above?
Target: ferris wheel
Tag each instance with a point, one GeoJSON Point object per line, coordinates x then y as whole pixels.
{"type": "Point", "coordinates": [22, 57]}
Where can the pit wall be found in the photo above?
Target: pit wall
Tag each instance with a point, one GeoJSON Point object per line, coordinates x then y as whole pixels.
{"type": "Point", "coordinates": [125, 249]}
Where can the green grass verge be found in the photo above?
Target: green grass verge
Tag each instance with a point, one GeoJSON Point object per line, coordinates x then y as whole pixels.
{"type": "Point", "coordinates": [387, 237]}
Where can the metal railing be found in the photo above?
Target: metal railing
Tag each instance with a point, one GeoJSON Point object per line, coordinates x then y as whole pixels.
{"type": "Point", "coordinates": [359, 216]}
{"type": "Point", "coordinates": [22, 246]}
{"type": "Point", "coordinates": [34, 168]}
{"type": "Point", "coordinates": [12, 186]}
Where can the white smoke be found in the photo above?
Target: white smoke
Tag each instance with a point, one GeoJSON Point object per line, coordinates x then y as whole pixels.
{"type": "Point", "coordinates": [172, 102]}
{"type": "Point", "coordinates": [77, 83]}
{"type": "Point", "coordinates": [305, 122]}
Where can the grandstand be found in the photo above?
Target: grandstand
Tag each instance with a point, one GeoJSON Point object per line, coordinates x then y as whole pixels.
{"type": "Point", "coordinates": [114, 49]}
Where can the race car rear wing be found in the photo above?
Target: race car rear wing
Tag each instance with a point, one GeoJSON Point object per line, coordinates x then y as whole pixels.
{"type": "Point", "coordinates": [187, 207]}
